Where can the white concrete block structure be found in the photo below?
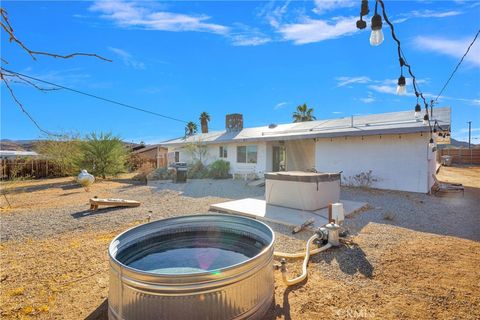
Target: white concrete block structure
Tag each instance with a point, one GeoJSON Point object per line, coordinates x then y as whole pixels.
{"type": "Point", "coordinates": [393, 146]}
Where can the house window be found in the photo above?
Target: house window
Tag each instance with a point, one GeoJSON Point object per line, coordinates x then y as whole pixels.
{"type": "Point", "coordinates": [247, 154]}
{"type": "Point", "coordinates": [222, 152]}
{"type": "Point", "coordinates": [177, 156]}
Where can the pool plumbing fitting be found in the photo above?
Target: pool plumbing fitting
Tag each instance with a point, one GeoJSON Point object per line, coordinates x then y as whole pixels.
{"type": "Point", "coordinates": [330, 233]}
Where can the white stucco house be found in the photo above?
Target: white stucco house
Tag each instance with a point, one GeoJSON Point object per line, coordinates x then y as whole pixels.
{"type": "Point", "coordinates": [394, 146]}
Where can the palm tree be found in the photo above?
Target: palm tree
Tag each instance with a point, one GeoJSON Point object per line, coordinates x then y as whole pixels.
{"type": "Point", "coordinates": [190, 129]}
{"type": "Point", "coordinates": [204, 119]}
{"type": "Point", "coordinates": [303, 113]}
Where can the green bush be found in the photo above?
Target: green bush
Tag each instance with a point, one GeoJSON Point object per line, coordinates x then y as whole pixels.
{"type": "Point", "coordinates": [103, 155]}
{"type": "Point", "coordinates": [219, 169]}
{"type": "Point", "coordinates": [197, 170]}
{"type": "Point", "coordinates": [63, 152]}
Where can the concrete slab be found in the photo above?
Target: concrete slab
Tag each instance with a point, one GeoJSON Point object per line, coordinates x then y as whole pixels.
{"type": "Point", "coordinates": [258, 208]}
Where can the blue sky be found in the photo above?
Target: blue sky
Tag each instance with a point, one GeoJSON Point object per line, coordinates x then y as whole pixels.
{"type": "Point", "coordinates": [258, 58]}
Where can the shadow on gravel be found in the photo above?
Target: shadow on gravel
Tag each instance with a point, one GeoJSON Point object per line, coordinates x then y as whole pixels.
{"type": "Point", "coordinates": [63, 185]}
{"type": "Point", "coordinates": [277, 311]}
{"type": "Point", "coordinates": [100, 313]}
{"type": "Point", "coordinates": [351, 259]}
{"type": "Point", "coordinates": [88, 213]}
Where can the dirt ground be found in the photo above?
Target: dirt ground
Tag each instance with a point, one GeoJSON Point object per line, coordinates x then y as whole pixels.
{"type": "Point", "coordinates": [384, 271]}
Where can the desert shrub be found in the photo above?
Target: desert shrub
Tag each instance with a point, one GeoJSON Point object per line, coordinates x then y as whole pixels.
{"type": "Point", "coordinates": [363, 179]}
{"type": "Point", "coordinates": [103, 155]}
{"type": "Point", "coordinates": [219, 169]}
{"type": "Point", "coordinates": [63, 152]}
{"type": "Point", "coordinates": [197, 170]}
{"type": "Point", "coordinates": [161, 174]}
{"type": "Point", "coordinates": [389, 215]}
{"type": "Point", "coordinates": [134, 162]}
{"type": "Point", "coordinates": [144, 171]}
{"type": "Point", "coordinates": [198, 151]}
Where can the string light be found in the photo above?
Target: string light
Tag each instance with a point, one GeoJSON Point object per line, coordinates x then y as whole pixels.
{"type": "Point", "coordinates": [376, 37]}
{"type": "Point", "coordinates": [401, 86]}
{"type": "Point", "coordinates": [418, 109]}
{"type": "Point", "coordinates": [426, 120]}
{"type": "Point", "coordinates": [363, 12]}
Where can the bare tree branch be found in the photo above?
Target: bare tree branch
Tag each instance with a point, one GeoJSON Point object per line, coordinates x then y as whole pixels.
{"type": "Point", "coordinates": [26, 81]}
{"type": "Point", "coordinates": [5, 24]}
{"type": "Point", "coordinates": [4, 74]}
{"type": "Point", "coordinates": [22, 108]}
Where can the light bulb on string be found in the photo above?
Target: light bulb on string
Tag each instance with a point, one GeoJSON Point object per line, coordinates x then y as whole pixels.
{"type": "Point", "coordinates": [418, 110]}
{"type": "Point", "coordinates": [401, 87]}
{"type": "Point", "coordinates": [363, 12]}
{"type": "Point", "coordinates": [376, 37]}
{"type": "Point", "coordinates": [425, 119]}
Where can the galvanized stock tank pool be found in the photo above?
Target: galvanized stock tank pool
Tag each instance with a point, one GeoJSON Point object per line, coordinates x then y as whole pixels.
{"type": "Point", "coordinates": [192, 267]}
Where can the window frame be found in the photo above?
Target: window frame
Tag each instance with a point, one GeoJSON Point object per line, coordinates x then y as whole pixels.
{"type": "Point", "coordinates": [223, 152]}
{"type": "Point", "coordinates": [247, 152]}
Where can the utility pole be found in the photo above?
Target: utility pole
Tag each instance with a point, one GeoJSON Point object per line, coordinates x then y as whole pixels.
{"type": "Point", "coordinates": [470, 139]}
{"type": "Point", "coordinates": [469, 134]}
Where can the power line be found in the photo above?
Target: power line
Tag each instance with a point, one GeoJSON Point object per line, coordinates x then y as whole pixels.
{"type": "Point", "coordinates": [96, 97]}
{"type": "Point", "coordinates": [458, 65]}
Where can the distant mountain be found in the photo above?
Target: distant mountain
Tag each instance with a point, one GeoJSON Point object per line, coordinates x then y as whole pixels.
{"type": "Point", "coordinates": [17, 145]}
{"type": "Point", "coordinates": [457, 144]}
{"type": "Point", "coordinates": [29, 145]}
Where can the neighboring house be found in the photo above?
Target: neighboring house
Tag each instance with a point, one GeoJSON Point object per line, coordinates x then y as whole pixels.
{"type": "Point", "coordinates": [154, 154]}
{"type": "Point", "coordinates": [394, 146]}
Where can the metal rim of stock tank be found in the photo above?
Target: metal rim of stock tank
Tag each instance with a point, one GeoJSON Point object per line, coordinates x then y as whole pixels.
{"type": "Point", "coordinates": [241, 291]}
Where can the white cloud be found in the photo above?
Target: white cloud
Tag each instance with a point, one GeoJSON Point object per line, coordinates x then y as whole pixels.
{"type": "Point", "coordinates": [248, 36]}
{"type": "Point", "coordinates": [337, 112]}
{"type": "Point", "coordinates": [369, 99]}
{"type": "Point", "coordinates": [127, 58]}
{"type": "Point", "coordinates": [274, 15]}
{"type": "Point", "coordinates": [245, 40]}
{"type": "Point", "coordinates": [383, 88]}
{"type": "Point", "coordinates": [475, 102]}
{"type": "Point", "coordinates": [434, 14]}
{"type": "Point", "coordinates": [315, 30]}
{"type": "Point", "coordinates": [280, 105]}
{"type": "Point", "coordinates": [426, 14]}
{"type": "Point", "coordinates": [344, 81]}
{"type": "Point", "coordinates": [134, 14]}
{"type": "Point", "coordinates": [450, 47]}
{"type": "Point", "coordinates": [322, 6]}
{"type": "Point", "coordinates": [473, 130]}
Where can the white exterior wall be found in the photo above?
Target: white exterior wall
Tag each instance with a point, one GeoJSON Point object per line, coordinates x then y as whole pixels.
{"type": "Point", "coordinates": [212, 155]}
{"type": "Point", "coordinates": [399, 162]}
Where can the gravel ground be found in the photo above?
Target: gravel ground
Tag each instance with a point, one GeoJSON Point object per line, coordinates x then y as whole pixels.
{"type": "Point", "coordinates": [408, 256]}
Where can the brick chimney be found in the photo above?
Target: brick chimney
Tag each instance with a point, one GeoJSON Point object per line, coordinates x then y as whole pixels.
{"type": "Point", "coordinates": [234, 122]}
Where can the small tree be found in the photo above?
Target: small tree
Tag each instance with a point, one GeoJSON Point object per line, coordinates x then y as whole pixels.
{"type": "Point", "coordinates": [197, 150]}
{"type": "Point", "coordinates": [63, 151]}
{"type": "Point", "coordinates": [103, 155]}
{"type": "Point", "coordinates": [303, 113]}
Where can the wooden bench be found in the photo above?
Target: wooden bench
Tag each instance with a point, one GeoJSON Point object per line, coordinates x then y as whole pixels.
{"type": "Point", "coordinates": [439, 186]}
{"type": "Point", "coordinates": [96, 202]}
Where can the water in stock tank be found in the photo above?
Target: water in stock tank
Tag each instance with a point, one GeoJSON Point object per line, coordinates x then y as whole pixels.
{"type": "Point", "coordinates": [192, 267]}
